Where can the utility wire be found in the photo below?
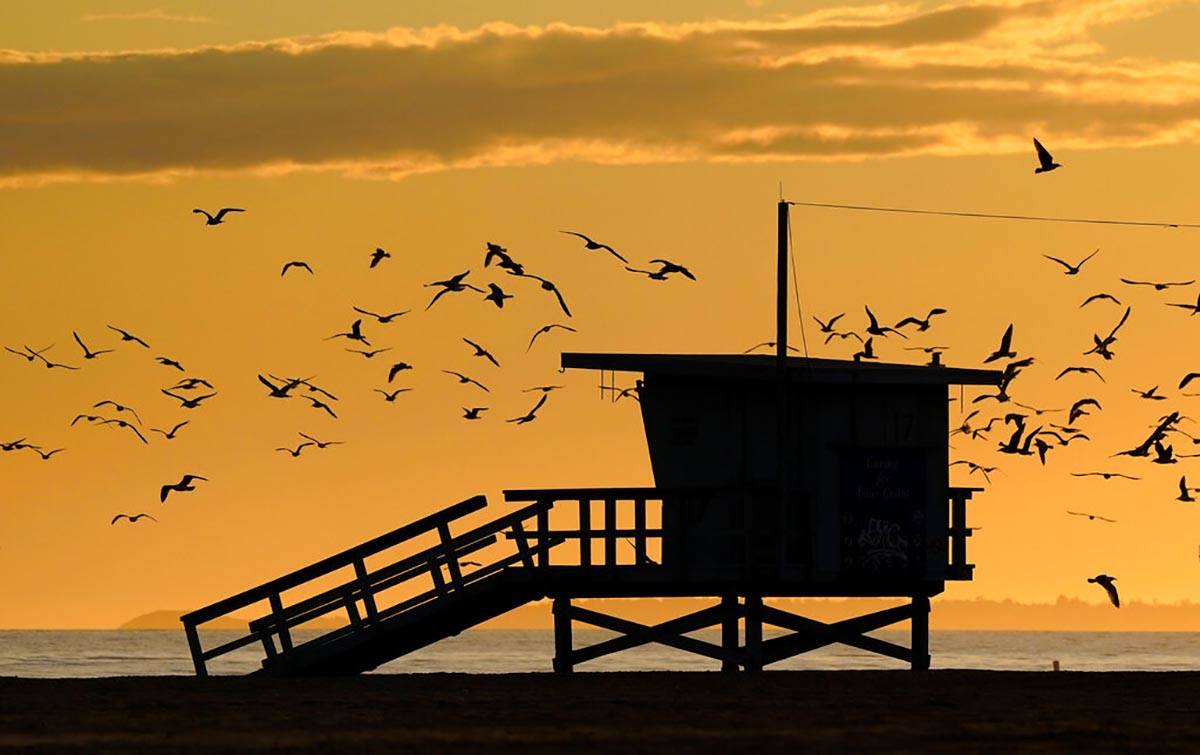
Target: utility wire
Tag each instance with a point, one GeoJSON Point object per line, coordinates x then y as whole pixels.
{"type": "Point", "coordinates": [993, 216]}
{"type": "Point", "coordinates": [796, 291]}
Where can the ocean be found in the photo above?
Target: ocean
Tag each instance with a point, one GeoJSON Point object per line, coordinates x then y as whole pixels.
{"type": "Point", "coordinates": [154, 653]}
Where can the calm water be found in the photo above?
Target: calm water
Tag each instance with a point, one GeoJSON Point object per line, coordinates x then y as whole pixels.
{"type": "Point", "coordinates": [101, 653]}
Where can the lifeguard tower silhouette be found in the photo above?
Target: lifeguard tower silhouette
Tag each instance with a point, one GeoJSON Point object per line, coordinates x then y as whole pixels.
{"type": "Point", "coordinates": [775, 476]}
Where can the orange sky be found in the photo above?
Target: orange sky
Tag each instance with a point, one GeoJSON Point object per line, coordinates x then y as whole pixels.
{"type": "Point", "coordinates": [667, 137]}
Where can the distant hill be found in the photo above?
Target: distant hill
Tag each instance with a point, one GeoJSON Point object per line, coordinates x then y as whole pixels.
{"type": "Point", "coordinates": [1065, 614]}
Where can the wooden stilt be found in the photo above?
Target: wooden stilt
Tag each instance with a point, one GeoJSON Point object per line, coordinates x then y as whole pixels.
{"type": "Point", "coordinates": [753, 619]}
{"type": "Point", "coordinates": [920, 633]}
{"type": "Point", "coordinates": [729, 632]}
{"type": "Point", "coordinates": [563, 644]}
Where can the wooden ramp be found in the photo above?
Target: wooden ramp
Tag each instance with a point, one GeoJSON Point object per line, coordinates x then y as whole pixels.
{"type": "Point", "coordinates": [391, 605]}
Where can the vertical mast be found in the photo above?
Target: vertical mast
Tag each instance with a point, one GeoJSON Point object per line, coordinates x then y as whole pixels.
{"type": "Point", "coordinates": [783, 413]}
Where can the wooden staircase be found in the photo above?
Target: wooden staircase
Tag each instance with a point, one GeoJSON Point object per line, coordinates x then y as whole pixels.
{"type": "Point", "coordinates": [392, 606]}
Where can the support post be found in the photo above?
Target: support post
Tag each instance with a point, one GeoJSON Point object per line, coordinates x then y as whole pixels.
{"type": "Point", "coordinates": [729, 632]}
{"type": "Point", "coordinates": [563, 644]}
{"type": "Point", "coordinates": [920, 633]}
{"type": "Point", "coordinates": [193, 639]}
{"type": "Point", "coordinates": [754, 656]}
{"type": "Point", "coordinates": [783, 418]}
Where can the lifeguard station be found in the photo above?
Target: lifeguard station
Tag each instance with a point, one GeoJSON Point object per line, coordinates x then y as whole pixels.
{"type": "Point", "coordinates": [775, 476]}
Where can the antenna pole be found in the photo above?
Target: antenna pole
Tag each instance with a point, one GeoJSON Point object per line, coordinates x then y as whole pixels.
{"type": "Point", "coordinates": [783, 413]}
{"type": "Point", "coordinates": [781, 289]}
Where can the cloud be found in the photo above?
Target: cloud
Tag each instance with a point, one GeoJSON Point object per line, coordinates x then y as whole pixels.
{"type": "Point", "coordinates": [852, 83]}
{"type": "Point", "coordinates": [154, 14]}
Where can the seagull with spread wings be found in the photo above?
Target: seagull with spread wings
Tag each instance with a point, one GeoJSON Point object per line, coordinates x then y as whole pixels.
{"type": "Point", "coordinates": [531, 415]}
{"type": "Point", "coordinates": [1158, 285]}
{"type": "Point", "coordinates": [87, 353]}
{"type": "Point", "coordinates": [189, 403]}
{"type": "Point", "coordinates": [298, 264]}
{"type": "Point", "coordinates": [453, 284]}
{"type": "Point", "coordinates": [595, 245]}
{"type": "Point", "coordinates": [169, 435]}
{"type": "Point", "coordinates": [132, 518]}
{"type": "Point", "coordinates": [127, 336]}
{"type": "Point", "coordinates": [381, 319]}
{"type": "Point", "coordinates": [183, 486]}
{"type": "Point", "coordinates": [1045, 159]}
{"type": "Point", "coordinates": [481, 352]}
{"type": "Point", "coordinates": [219, 217]}
{"type": "Point", "coordinates": [1100, 297]}
{"type": "Point", "coordinates": [1005, 350]}
{"type": "Point", "coordinates": [354, 334]}
{"type": "Point", "coordinates": [546, 329]}
{"type": "Point", "coordinates": [377, 256]}
{"type": "Point", "coordinates": [922, 324]}
{"type": "Point", "coordinates": [464, 379]}
{"type": "Point", "coordinates": [1106, 582]}
{"type": "Point", "coordinates": [1072, 269]}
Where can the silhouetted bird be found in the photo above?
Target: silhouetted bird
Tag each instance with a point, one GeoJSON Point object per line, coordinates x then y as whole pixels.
{"type": "Point", "coordinates": [549, 286]}
{"type": "Point", "coordinates": [378, 256]}
{"type": "Point", "coordinates": [277, 391]}
{"type": "Point", "coordinates": [53, 365]}
{"type": "Point", "coordinates": [543, 388]}
{"type": "Point", "coordinates": [464, 379]}
{"type": "Point", "coordinates": [123, 424]}
{"type": "Point", "coordinates": [496, 295]}
{"type": "Point", "coordinates": [298, 264]}
{"type": "Point", "coordinates": [87, 353]}
{"type": "Point", "coordinates": [46, 454]}
{"type": "Point", "coordinates": [827, 327]}
{"type": "Point", "coordinates": [666, 267]}
{"type": "Point", "coordinates": [295, 452]}
{"type": "Point", "coordinates": [593, 245]}
{"type": "Point", "coordinates": [169, 435]}
{"type": "Point", "coordinates": [843, 336]}
{"type": "Point", "coordinates": [354, 334]}
{"type": "Point", "coordinates": [127, 336]}
{"type": "Point", "coordinates": [369, 354]}
{"type": "Point", "coordinates": [1102, 344]}
{"type": "Point", "coordinates": [495, 251]}
{"type": "Point", "coordinates": [868, 351]}
{"type": "Point", "coordinates": [381, 319]}
{"type": "Point", "coordinates": [132, 518]}
{"type": "Point", "coordinates": [189, 403]}
{"type": "Point", "coordinates": [396, 369]}
{"type": "Point", "coordinates": [1078, 409]}
{"type": "Point", "coordinates": [1187, 379]}
{"type": "Point", "coordinates": [168, 362]}
{"type": "Point", "coordinates": [1081, 371]}
{"type": "Point", "coordinates": [1105, 475]}
{"type": "Point", "coordinates": [1045, 159]}
{"type": "Point", "coordinates": [1072, 269]}
{"type": "Point", "coordinates": [1106, 582]}
{"type": "Point", "coordinates": [318, 404]}
{"type": "Point", "coordinates": [874, 329]}
{"type": "Point", "coordinates": [1158, 285]}
{"type": "Point", "coordinates": [547, 329]}
{"type": "Point", "coordinates": [1163, 454]}
{"type": "Point", "coordinates": [1005, 349]}
{"type": "Point", "coordinates": [531, 416]}
{"type": "Point", "coordinates": [1149, 394]}
{"type": "Point", "coordinates": [219, 217]}
{"type": "Point", "coordinates": [768, 344]}
{"type": "Point", "coordinates": [473, 412]}
{"type": "Point", "coordinates": [391, 397]}
{"type": "Point", "coordinates": [190, 383]}
{"type": "Point", "coordinates": [656, 275]}
{"type": "Point", "coordinates": [481, 352]}
{"type": "Point", "coordinates": [29, 355]}
{"type": "Point", "coordinates": [89, 417]}
{"type": "Point", "coordinates": [118, 408]}
{"type": "Point", "coordinates": [922, 325]}
{"type": "Point", "coordinates": [1185, 493]}
{"type": "Point", "coordinates": [1099, 297]}
{"type": "Point", "coordinates": [183, 486]}
{"type": "Point", "coordinates": [321, 444]}
{"type": "Point", "coordinates": [454, 284]}
{"type": "Point", "coordinates": [1092, 517]}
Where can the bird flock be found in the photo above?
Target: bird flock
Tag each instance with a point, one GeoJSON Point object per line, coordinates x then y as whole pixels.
{"type": "Point", "coordinates": [510, 279]}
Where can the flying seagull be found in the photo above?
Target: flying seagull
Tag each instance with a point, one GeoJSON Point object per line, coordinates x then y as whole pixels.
{"type": "Point", "coordinates": [481, 352]}
{"type": "Point", "coordinates": [497, 296]}
{"type": "Point", "coordinates": [874, 329]}
{"type": "Point", "coordinates": [1081, 371]}
{"type": "Point", "coordinates": [1092, 517]}
{"type": "Point", "coordinates": [378, 256]}
{"type": "Point", "coordinates": [1071, 269]}
{"type": "Point", "coordinates": [371, 354]}
{"type": "Point", "coordinates": [473, 412]}
{"type": "Point", "coordinates": [1106, 582]}
{"type": "Point", "coordinates": [168, 362]}
{"type": "Point", "coordinates": [391, 397]}
{"type": "Point", "coordinates": [396, 369]}
{"type": "Point", "coordinates": [827, 326]}
{"type": "Point", "coordinates": [922, 325]}
{"type": "Point", "coordinates": [532, 415]}
{"type": "Point", "coordinates": [381, 319]}
{"type": "Point", "coordinates": [118, 408]}
{"type": "Point", "coordinates": [188, 403]}
{"type": "Point", "coordinates": [321, 444]}
{"type": "Point", "coordinates": [29, 355]}
{"type": "Point", "coordinates": [127, 336]}
{"type": "Point", "coordinates": [1105, 475]}
{"type": "Point", "coordinates": [132, 518]}
{"type": "Point", "coordinates": [295, 452]}
{"type": "Point", "coordinates": [219, 217]}
{"type": "Point", "coordinates": [46, 454]}
{"type": "Point", "coordinates": [549, 286]}
{"type": "Point", "coordinates": [298, 264]}
{"type": "Point", "coordinates": [453, 284]}
{"type": "Point", "coordinates": [593, 245]}
{"type": "Point", "coordinates": [769, 345]}
{"type": "Point", "coordinates": [184, 485]}
{"type": "Point", "coordinates": [464, 379]}
{"type": "Point", "coordinates": [354, 334]}
{"type": "Point", "coordinates": [1150, 394]}
{"type": "Point", "coordinates": [1100, 297]}
{"type": "Point", "coordinates": [1005, 349]}
{"type": "Point", "coordinates": [1158, 285]}
{"type": "Point", "coordinates": [169, 435]}
{"type": "Point", "coordinates": [1185, 493]}
{"type": "Point", "coordinates": [1045, 159]}
{"type": "Point", "coordinates": [87, 353]}
{"type": "Point", "coordinates": [547, 329]}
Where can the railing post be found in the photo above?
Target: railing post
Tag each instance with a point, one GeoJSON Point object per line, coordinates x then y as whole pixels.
{"type": "Point", "coordinates": [920, 633]}
{"type": "Point", "coordinates": [563, 644]}
{"type": "Point", "coordinates": [285, 635]}
{"type": "Point", "coordinates": [364, 585]}
{"type": "Point", "coordinates": [193, 639]}
{"type": "Point", "coordinates": [958, 529]}
{"type": "Point", "coordinates": [753, 618]}
{"type": "Point", "coordinates": [522, 545]}
{"type": "Point", "coordinates": [639, 532]}
{"type": "Point", "coordinates": [435, 571]}
{"type": "Point", "coordinates": [451, 557]}
{"type": "Point", "coordinates": [729, 632]}
{"type": "Point", "coordinates": [585, 529]}
{"type": "Point", "coordinates": [610, 532]}
{"type": "Point", "coordinates": [543, 528]}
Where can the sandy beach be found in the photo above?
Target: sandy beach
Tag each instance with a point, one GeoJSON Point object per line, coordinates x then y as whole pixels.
{"type": "Point", "coordinates": [627, 712]}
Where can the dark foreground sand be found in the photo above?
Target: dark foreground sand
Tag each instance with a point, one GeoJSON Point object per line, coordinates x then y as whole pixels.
{"type": "Point", "coordinates": [650, 712]}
